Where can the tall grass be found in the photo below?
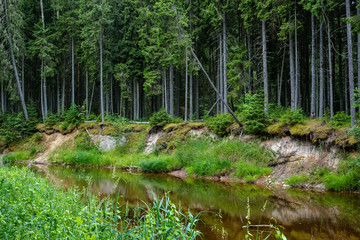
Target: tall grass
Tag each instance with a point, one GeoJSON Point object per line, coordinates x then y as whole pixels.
{"type": "Point", "coordinates": [32, 208]}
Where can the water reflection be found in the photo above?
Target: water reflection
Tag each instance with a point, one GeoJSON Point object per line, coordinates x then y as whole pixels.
{"type": "Point", "coordinates": [304, 214]}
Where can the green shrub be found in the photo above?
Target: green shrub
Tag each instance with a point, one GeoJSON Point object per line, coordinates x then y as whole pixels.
{"type": "Point", "coordinates": [253, 114]}
{"type": "Point", "coordinates": [219, 123]}
{"type": "Point", "coordinates": [349, 181]}
{"type": "Point", "coordinates": [85, 157]}
{"type": "Point", "coordinates": [292, 117]}
{"type": "Point", "coordinates": [160, 119]}
{"type": "Point", "coordinates": [340, 119]}
{"type": "Point", "coordinates": [297, 180]}
{"type": "Point", "coordinates": [75, 115]}
{"type": "Point", "coordinates": [14, 127]}
{"type": "Point", "coordinates": [52, 119]}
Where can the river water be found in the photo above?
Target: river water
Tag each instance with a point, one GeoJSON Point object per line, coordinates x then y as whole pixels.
{"type": "Point", "coordinates": [223, 207]}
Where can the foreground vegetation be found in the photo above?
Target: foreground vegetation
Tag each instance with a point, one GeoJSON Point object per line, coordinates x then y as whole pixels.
{"type": "Point", "coordinates": [32, 208]}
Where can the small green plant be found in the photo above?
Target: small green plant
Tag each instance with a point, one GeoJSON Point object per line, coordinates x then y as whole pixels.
{"type": "Point", "coordinates": [340, 119]}
{"type": "Point", "coordinates": [75, 115]}
{"type": "Point", "coordinates": [297, 181]}
{"type": "Point", "coordinates": [292, 117]}
{"type": "Point", "coordinates": [253, 114]}
{"type": "Point", "coordinates": [219, 123]}
{"type": "Point", "coordinates": [160, 119]}
{"type": "Point", "coordinates": [16, 156]}
{"type": "Point", "coordinates": [158, 164]}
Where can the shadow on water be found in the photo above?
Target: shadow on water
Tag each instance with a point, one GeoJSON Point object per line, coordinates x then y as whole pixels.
{"type": "Point", "coordinates": [303, 214]}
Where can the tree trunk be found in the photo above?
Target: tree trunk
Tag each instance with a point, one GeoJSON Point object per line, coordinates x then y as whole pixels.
{"type": "Point", "coordinates": [191, 95]}
{"type": "Point", "coordinates": [73, 70]}
{"type": "Point", "coordinates": [87, 94]}
{"type": "Point", "coordinates": [197, 98]}
{"type": "Point", "coordinates": [292, 73]}
{"type": "Point", "coordinates": [280, 79]}
{"type": "Point", "coordinates": [101, 80]}
{"type": "Point", "coordinates": [14, 66]}
{"type": "Point", "coordinates": [350, 65]}
{"type": "Point", "coordinates": [2, 98]}
{"type": "Point", "coordinates": [171, 89]}
{"type": "Point", "coordinates": [313, 76]}
{"type": "Point", "coordinates": [186, 89]}
{"type": "Point", "coordinates": [251, 84]}
{"type": "Point", "coordinates": [42, 91]}
{"type": "Point", "coordinates": [265, 73]}
{"type": "Point", "coordinates": [221, 78]}
{"type": "Point", "coordinates": [23, 75]}
{"type": "Point", "coordinates": [331, 96]}
{"type": "Point", "coordinates": [358, 50]}
{"type": "Point", "coordinates": [224, 62]}
{"type": "Point", "coordinates": [58, 94]}
{"type": "Point", "coordinates": [297, 66]}
{"type": "Point", "coordinates": [321, 87]}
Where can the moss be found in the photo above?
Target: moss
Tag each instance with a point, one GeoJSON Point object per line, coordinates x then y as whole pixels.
{"type": "Point", "coordinates": [300, 130]}
{"type": "Point", "coordinates": [135, 127]}
{"type": "Point", "coordinates": [277, 129]}
{"type": "Point", "coordinates": [41, 127]}
{"type": "Point", "coordinates": [234, 129]}
{"type": "Point", "coordinates": [174, 126]}
{"type": "Point", "coordinates": [321, 133]}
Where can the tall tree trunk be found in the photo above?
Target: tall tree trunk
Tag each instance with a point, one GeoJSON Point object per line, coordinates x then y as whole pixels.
{"type": "Point", "coordinates": [265, 73]}
{"type": "Point", "coordinates": [42, 91]}
{"type": "Point", "coordinates": [186, 89]}
{"type": "Point", "coordinates": [321, 53]}
{"type": "Point", "coordinates": [292, 73]}
{"type": "Point", "coordinates": [297, 66]}
{"type": "Point", "coordinates": [171, 89]}
{"type": "Point", "coordinates": [251, 84]}
{"type": "Point", "coordinates": [23, 75]}
{"type": "Point", "coordinates": [73, 70]}
{"type": "Point", "coordinates": [280, 80]}
{"type": "Point", "coordinates": [43, 87]}
{"type": "Point", "coordinates": [14, 65]}
{"type": "Point", "coordinates": [2, 98]}
{"type": "Point", "coordinates": [101, 80]}
{"type": "Point", "coordinates": [350, 65]}
{"type": "Point", "coordinates": [221, 78]}
{"type": "Point", "coordinates": [331, 95]}
{"type": "Point", "coordinates": [197, 98]}
{"type": "Point", "coordinates": [87, 93]}
{"type": "Point", "coordinates": [358, 50]}
{"type": "Point", "coordinates": [191, 95]}
{"type": "Point", "coordinates": [224, 62]}
{"type": "Point", "coordinates": [313, 76]}
{"type": "Point", "coordinates": [58, 93]}
{"type": "Point", "coordinates": [91, 97]}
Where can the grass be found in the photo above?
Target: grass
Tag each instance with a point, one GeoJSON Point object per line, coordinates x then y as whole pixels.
{"type": "Point", "coordinates": [297, 181]}
{"type": "Point", "coordinates": [16, 156]}
{"type": "Point", "coordinates": [32, 208]}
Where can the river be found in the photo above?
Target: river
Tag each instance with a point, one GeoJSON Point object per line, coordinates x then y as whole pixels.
{"type": "Point", "coordinates": [223, 206]}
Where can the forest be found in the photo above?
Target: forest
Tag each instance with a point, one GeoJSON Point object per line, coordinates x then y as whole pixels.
{"type": "Point", "coordinates": [192, 58]}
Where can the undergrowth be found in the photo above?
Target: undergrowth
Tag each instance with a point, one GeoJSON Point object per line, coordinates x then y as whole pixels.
{"type": "Point", "coordinates": [32, 208]}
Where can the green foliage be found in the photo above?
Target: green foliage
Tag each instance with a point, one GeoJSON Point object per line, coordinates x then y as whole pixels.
{"type": "Point", "coordinates": [219, 123]}
{"type": "Point", "coordinates": [341, 119]}
{"type": "Point", "coordinates": [160, 119]}
{"type": "Point", "coordinates": [75, 115]}
{"type": "Point", "coordinates": [252, 113]}
{"type": "Point", "coordinates": [297, 180]}
{"type": "Point", "coordinates": [158, 164]}
{"type": "Point", "coordinates": [17, 156]}
{"type": "Point", "coordinates": [15, 127]}
{"type": "Point", "coordinates": [292, 117]}
{"type": "Point", "coordinates": [32, 208]}
{"type": "Point", "coordinates": [250, 172]}
{"type": "Point", "coordinates": [203, 158]}
{"type": "Point", "coordinates": [346, 179]}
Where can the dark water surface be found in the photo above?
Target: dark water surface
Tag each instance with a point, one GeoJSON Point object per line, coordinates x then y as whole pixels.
{"type": "Point", "coordinates": [303, 214]}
